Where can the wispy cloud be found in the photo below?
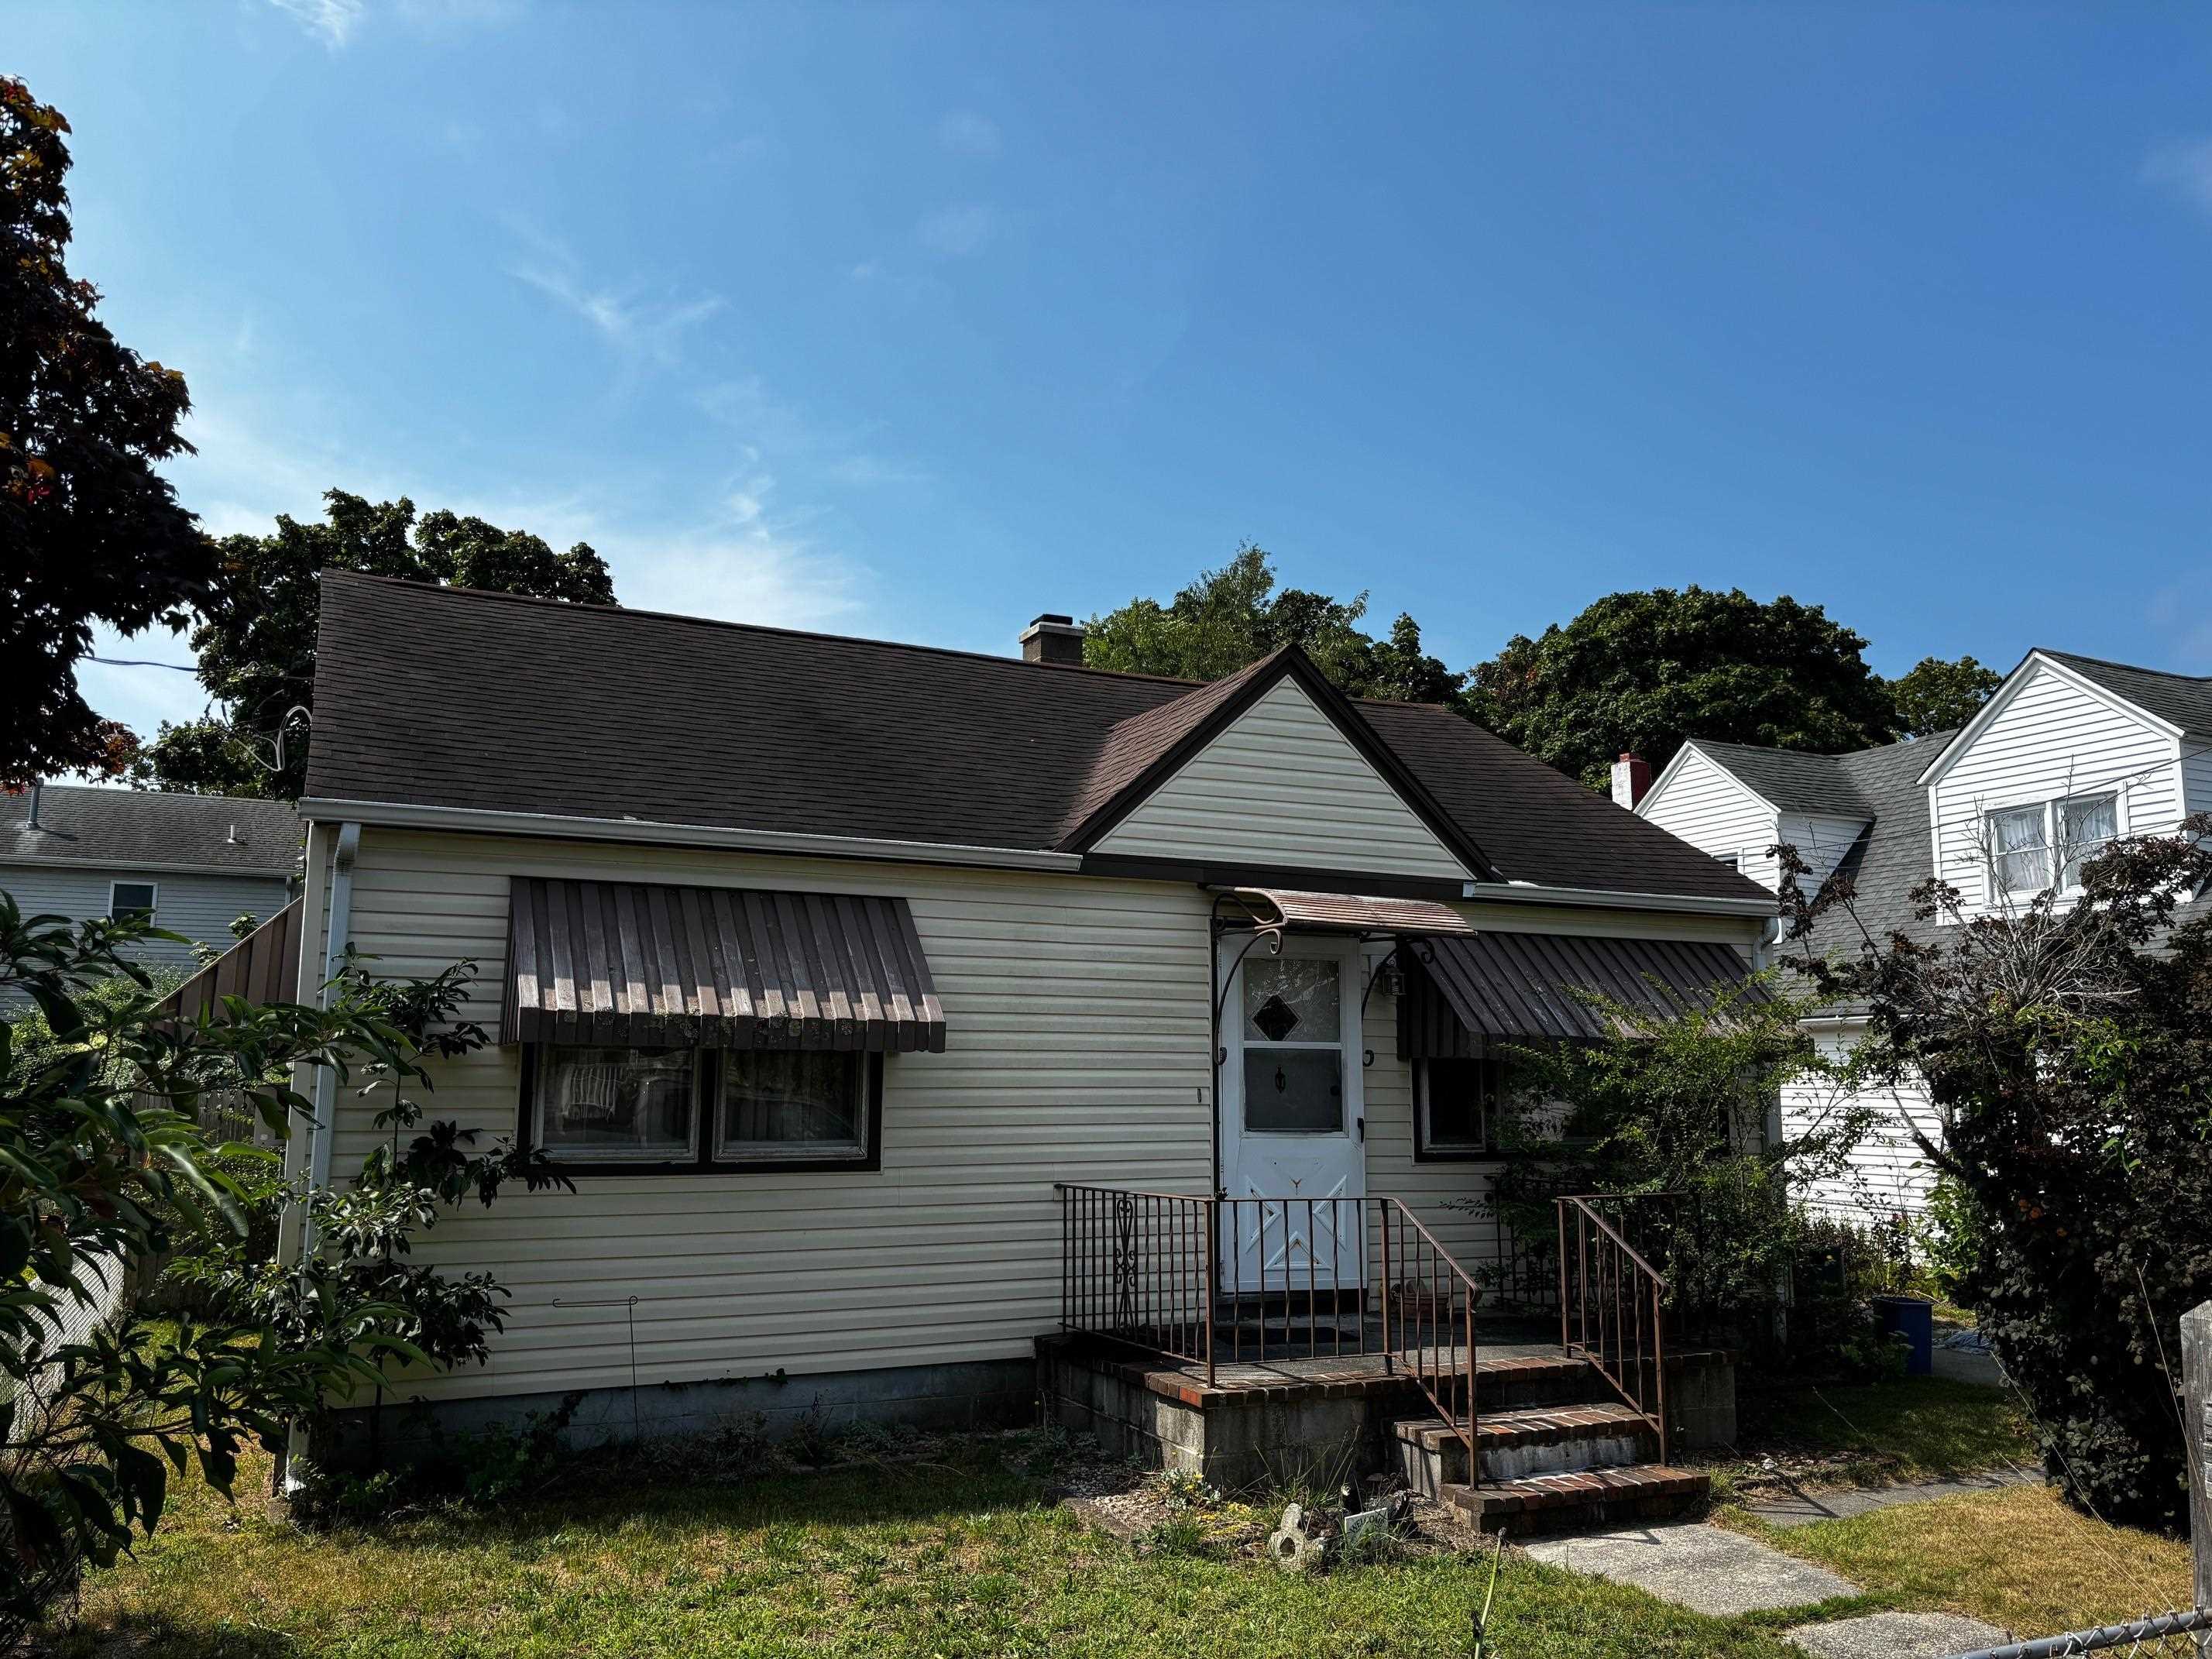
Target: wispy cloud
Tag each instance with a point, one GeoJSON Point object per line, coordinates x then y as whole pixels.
{"type": "Point", "coordinates": [642, 329]}
{"type": "Point", "coordinates": [2185, 168]}
{"type": "Point", "coordinates": [333, 20]}
{"type": "Point", "coordinates": [957, 233]}
{"type": "Point", "coordinates": [963, 132]}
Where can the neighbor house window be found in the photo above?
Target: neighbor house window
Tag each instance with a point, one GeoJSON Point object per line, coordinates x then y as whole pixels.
{"type": "Point", "coordinates": [131, 898]}
{"type": "Point", "coordinates": [702, 1109]}
{"type": "Point", "coordinates": [2027, 843]}
{"type": "Point", "coordinates": [1454, 1109]}
{"type": "Point", "coordinates": [2087, 825]}
{"type": "Point", "coordinates": [1733, 860]}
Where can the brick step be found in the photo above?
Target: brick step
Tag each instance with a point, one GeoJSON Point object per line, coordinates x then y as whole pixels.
{"type": "Point", "coordinates": [1513, 1445]}
{"type": "Point", "coordinates": [1585, 1498]}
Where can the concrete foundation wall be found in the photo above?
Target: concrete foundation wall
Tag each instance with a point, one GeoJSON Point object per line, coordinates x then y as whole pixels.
{"type": "Point", "coordinates": [980, 1395]}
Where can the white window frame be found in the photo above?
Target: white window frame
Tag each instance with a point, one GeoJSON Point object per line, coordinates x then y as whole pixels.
{"type": "Point", "coordinates": [153, 903]}
{"type": "Point", "coordinates": [2055, 853]}
{"type": "Point", "coordinates": [1427, 1148]}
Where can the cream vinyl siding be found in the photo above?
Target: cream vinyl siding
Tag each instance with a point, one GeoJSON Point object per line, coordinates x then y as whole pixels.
{"type": "Point", "coordinates": [1078, 1040]}
{"type": "Point", "coordinates": [1282, 787]}
{"type": "Point", "coordinates": [1887, 1175]}
{"type": "Point", "coordinates": [2051, 737]}
{"type": "Point", "coordinates": [1702, 804]}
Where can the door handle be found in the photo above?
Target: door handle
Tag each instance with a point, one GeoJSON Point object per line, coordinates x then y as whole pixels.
{"type": "Point", "coordinates": [1360, 1124]}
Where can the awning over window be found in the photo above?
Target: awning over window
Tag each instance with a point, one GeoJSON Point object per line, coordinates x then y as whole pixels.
{"type": "Point", "coordinates": [743, 967]}
{"type": "Point", "coordinates": [1460, 991]}
{"type": "Point", "coordinates": [1344, 913]}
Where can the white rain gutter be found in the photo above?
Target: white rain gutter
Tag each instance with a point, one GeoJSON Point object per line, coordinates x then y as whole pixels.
{"type": "Point", "coordinates": [399, 816]}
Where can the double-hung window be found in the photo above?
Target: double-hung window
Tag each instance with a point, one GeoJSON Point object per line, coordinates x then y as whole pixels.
{"type": "Point", "coordinates": [2028, 845]}
{"type": "Point", "coordinates": [662, 1110]}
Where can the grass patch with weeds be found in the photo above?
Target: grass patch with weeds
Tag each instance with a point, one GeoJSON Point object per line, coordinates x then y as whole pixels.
{"type": "Point", "coordinates": [956, 1555]}
{"type": "Point", "coordinates": [1867, 1434]}
{"type": "Point", "coordinates": [2017, 1557]}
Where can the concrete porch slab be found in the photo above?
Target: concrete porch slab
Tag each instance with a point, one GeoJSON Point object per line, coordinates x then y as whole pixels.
{"type": "Point", "coordinates": [1701, 1567]}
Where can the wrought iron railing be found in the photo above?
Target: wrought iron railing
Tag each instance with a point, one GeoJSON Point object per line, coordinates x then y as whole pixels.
{"type": "Point", "coordinates": [1613, 1308]}
{"type": "Point", "coordinates": [1215, 1281]}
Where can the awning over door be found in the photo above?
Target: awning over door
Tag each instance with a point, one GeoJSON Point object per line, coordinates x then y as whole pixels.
{"type": "Point", "coordinates": [742, 968]}
{"type": "Point", "coordinates": [1460, 991]}
{"type": "Point", "coordinates": [1344, 913]}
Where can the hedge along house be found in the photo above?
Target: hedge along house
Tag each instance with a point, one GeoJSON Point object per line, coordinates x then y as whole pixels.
{"type": "Point", "coordinates": [856, 981]}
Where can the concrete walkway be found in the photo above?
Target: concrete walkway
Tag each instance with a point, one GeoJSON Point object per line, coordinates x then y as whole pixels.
{"type": "Point", "coordinates": [1710, 1570]}
{"type": "Point", "coordinates": [1704, 1568]}
{"type": "Point", "coordinates": [1803, 1508]}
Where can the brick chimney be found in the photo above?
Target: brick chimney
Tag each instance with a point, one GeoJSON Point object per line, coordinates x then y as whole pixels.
{"type": "Point", "coordinates": [1632, 776]}
{"type": "Point", "coordinates": [1054, 640]}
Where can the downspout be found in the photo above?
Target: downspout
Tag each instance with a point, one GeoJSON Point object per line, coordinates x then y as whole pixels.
{"type": "Point", "coordinates": [324, 1131]}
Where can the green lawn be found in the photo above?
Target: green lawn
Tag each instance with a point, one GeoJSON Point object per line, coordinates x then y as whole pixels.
{"type": "Point", "coordinates": [957, 1557]}
{"type": "Point", "coordinates": [961, 1554]}
{"type": "Point", "coordinates": [1871, 1434]}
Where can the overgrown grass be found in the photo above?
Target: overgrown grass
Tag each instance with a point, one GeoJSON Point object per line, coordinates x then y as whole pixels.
{"type": "Point", "coordinates": [958, 1557]}
{"type": "Point", "coordinates": [1920, 1428]}
{"type": "Point", "coordinates": [2019, 1558]}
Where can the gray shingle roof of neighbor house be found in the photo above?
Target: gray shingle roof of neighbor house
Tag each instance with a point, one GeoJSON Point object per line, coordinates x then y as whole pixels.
{"type": "Point", "coordinates": [443, 697]}
{"type": "Point", "coordinates": [1893, 855]}
{"type": "Point", "coordinates": [149, 829]}
{"type": "Point", "coordinates": [1792, 781]}
{"type": "Point", "coordinates": [2185, 700]}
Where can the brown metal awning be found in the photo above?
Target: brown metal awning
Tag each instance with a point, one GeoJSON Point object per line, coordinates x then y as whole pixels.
{"type": "Point", "coordinates": [1344, 913]}
{"type": "Point", "coordinates": [259, 968]}
{"type": "Point", "coordinates": [1463, 990]}
{"type": "Point", "coordinates": [741, 967]}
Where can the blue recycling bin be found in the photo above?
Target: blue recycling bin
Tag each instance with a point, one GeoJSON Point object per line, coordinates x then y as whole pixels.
{"type": "Point", "coordinates": [1913, 1318]}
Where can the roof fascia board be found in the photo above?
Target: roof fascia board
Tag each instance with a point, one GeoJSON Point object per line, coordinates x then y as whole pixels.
{"type": "Point", "coordinates": [1215, 873]}
{"type": "Point", "coordinates": [1290, 663]}
{"type": "Point", "coordinates": [251, 872]}
{"type": "Point", "coordinates": [397, 815]}
{"type": "Point", "coordinates": [2003, 697]}
{"type": "Point", "coordinates": [1600, 898]}
{"type": "Point", "coordinates": [1711, 760]}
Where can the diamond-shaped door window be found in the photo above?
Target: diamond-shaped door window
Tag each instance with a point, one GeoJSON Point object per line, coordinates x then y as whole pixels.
{"type": "Point", "coordinates": [1275, 1019]}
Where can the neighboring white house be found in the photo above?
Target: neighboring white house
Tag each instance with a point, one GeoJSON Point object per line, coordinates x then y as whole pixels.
{"type": "Point", "coordinates": [2067, 754]}
{"type": "Point", "coordinates": [195, 863]}
{"type": "Point", "coordinates": [819, 962]}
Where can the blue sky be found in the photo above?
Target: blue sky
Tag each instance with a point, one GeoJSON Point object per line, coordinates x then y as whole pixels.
{"type": "Point", "coordinates": [917, 321]}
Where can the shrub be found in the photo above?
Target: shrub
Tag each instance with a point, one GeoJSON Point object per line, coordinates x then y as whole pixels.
{"type": "Point", "coordinates": [2068, 1051]}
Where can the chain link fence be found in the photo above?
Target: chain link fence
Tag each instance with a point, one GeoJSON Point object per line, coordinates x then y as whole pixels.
{"type": "Point", "coordinates": [2162, 1636]}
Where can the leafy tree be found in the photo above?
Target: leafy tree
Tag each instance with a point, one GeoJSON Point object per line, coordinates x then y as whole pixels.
{"type": "Point", "coordinates": [2066, 1050]}
{"type": "Point", "coordinates": [1640, 673]}
{"type": "Point", "coordinates": [1936, 695]}
{"type": "Point", "coordinates": [1233, 617]}
{"type": "Point", "coordinates": [89, 531]}
{"type": "Point", "coordinates": [103, 1163]}
{"type": "Point", "coordinates": [256, 638]}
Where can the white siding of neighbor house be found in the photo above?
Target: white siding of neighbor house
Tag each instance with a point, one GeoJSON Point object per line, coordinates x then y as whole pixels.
{"type": "Point", "coordinates": [1078, 1045]}
{"type": "Point", "coordinates": [2051, 737]}
{"type": "Point", "coordinates": [1821, 841]}
{"type": "Point", "coordinates": [201, 908]}
{"type": "Point", "coordinates": [1282, 787]}
{"type": "Point", "coordinates": [1888, 1176]}
{"type": "Point", "coordinates": [2197, 773]}
{"type": "Point", "coordinates": [1704, 805]}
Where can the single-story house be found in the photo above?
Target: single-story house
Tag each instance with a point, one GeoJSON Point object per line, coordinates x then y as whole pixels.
{"type": "Point", "coordinates": [194, 864]}
{"type": "Point", "coordinates": [2068, 754]}
{"type": "Point", "coordinates": [825, 965]}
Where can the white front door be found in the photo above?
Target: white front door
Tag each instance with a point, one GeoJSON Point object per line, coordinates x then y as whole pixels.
{"type": "Point", "coordinates": [1292, 1120]}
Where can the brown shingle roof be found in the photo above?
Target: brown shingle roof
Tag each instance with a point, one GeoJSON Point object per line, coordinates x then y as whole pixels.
{"type": "Point", "coordinates": [444, 697]}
